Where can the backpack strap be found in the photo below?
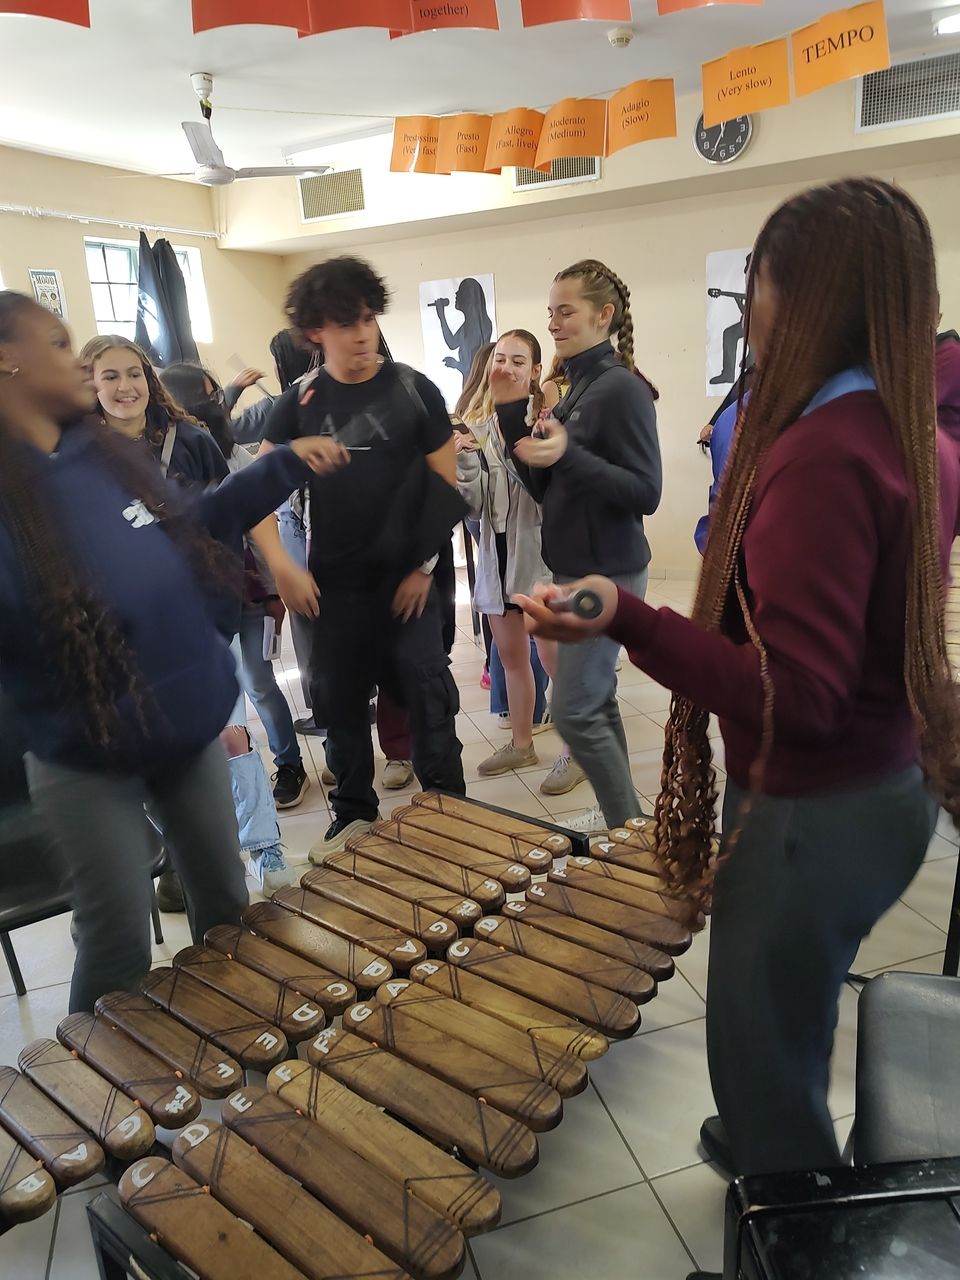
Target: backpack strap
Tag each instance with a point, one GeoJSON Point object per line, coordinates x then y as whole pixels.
{"type": "Point", "coordinates": [166, 453]}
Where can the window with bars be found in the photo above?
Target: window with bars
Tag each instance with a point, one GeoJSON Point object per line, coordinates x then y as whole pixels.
{"type": "Point", "coordinates": [113, 268]}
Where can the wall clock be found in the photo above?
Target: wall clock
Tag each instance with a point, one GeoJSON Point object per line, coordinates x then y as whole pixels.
{"type": "Point", "coordinates": [724, 142]}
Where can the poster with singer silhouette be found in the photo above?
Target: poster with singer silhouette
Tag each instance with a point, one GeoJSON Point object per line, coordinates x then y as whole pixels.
{"type": "Point", "coordinates": [726, 299]}
{"type": "Point", "coordinates": [459, 317]}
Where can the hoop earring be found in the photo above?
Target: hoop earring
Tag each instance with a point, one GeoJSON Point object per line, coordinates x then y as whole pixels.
{"type": "Point", "coordinates": [11, 373]}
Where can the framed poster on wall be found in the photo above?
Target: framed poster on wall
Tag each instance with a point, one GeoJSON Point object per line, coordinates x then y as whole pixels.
{"type": "Point", "coordinates": [726, 300]}
{"type": "Point", "coordinates": [458, 317]}
{"type": "Point", "coordinates": [48, 291]}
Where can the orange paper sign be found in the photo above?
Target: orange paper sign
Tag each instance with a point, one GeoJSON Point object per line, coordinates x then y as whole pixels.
{"type": "Point", "coordinates": [574, 127]}
{"type": "Point", "coordinates": [415, 144]}
{"type": "Point", "coordinates": [437, 15]}
{"type": "Point", "coordinates": [537, 13]}
{"type": "Point", "coordinates": [678, 6]}
{"type": "Point", "coordinates": [208, 14]}
{"type": "Point", "coordinates": [751, 79]}
{"type": "Point", "coordinates": [328, 15]}
{"type": "Point", "coordinates": [462, 147]}
{"type": "Point", "coordinates": [514, 138]}
{"type": "Point", "coordinates": [644, 110]}
{"type": "Point", "coordinates": [840, 46]}
{"type": "Point", "coordinates": [76, 11]}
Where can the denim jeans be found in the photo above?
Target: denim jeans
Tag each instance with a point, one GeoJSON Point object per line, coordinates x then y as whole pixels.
{"type": "Point", "coordinates": [587, 716]}
{"type": "Point", "coordinates": [498, 684]}
{"type": "Point", "coordinates": [260, 683]}
{"type": "Point", "coordinates": [806, 883]}
{"type": "Point", "coordinates": [253, 800]}
{"type": "Point", "coordinates": [293, 539]}
{"type": "Point", "coordinates": [99, 823]}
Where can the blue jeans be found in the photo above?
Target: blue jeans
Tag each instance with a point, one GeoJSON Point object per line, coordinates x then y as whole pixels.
{"type": "Point", "coordinates": [260, 684]}
{"type": "Point", "coordinates": [252, 798]}
{"type": "Point", "coordinates": [587, 716]}
{"type": "Point", "coordinates": [293, 539]}
{"type": "Point", "coordinates": [498, 684]}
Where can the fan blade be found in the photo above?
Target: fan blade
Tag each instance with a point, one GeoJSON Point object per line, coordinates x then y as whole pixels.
{"type": "Point", "coordinates": [284, 171]}
{"type": "Point", "coordinates": [205, 150]}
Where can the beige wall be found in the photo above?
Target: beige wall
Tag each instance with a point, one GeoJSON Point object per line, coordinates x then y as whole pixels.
{"type": "Point", "coordinates": [244, 289]}
{"type": "Point", "coordinates": [659, 249]}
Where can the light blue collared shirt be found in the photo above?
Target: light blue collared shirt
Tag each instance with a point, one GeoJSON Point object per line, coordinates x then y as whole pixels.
{"type": "Point", "coordinates": [841, 384]}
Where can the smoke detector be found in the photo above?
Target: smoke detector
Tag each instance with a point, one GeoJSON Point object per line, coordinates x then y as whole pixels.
{"type": "Point", "coordinates": [620, 37]}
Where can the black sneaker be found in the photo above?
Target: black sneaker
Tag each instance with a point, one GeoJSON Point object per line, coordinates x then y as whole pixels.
{"type": "Point", "coordinates": [290, 784]}
{"type": "Point", "coordinates": [338, 833]}
{"type": "Point", "coordinates": [309, 728]}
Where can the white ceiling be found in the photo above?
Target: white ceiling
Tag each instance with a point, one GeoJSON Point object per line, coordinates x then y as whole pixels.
{"type": "Point", "coordinates": [116, 93]}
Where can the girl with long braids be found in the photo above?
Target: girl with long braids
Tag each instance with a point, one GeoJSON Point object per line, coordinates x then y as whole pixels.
{"type": "Point", "coordinates": [594, 464]}
{"type": "Point", "coordinates": [817, 637]}
{"type": "Point", "coordinates": [109, 651]}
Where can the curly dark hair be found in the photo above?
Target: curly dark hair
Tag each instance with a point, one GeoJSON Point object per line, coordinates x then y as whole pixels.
{"type": "Point", "coordinates": [335, 292]}
{"type": "Point", "coordinates": [82, 641]}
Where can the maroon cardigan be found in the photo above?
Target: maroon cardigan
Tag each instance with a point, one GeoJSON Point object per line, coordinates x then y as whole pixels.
{"type": "Point", "coordinates": [825, 550]}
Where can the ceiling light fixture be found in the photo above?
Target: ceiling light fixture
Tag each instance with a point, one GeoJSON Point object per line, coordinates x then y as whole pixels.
{"type": "Point", "coordinates": [948, 25]}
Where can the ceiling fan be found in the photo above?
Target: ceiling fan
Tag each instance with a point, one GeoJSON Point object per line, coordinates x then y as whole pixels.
{"type": "Point", "coordinates": [212, 170]}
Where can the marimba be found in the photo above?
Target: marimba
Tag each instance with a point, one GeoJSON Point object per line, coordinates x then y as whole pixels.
{"type": "Point", "coordinates": [376, 1040]}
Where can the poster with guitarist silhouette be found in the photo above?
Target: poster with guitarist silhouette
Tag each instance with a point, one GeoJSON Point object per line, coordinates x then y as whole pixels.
{"type": "Point", "coordinates": [458, 317]}
{"type": "Point", "coordinates": [726, 300]}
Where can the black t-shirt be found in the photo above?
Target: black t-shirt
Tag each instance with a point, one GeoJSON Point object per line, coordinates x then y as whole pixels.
{"type": "Point", "coordinates": [387, 422]}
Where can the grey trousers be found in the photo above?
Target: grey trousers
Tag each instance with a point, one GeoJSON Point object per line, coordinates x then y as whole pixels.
{"type": "Point", "coordinates": [587, 715]}
{"type": "Point", "coordinates": [100, 823]}
{"type": "Point", "coordinates": [804, 886]}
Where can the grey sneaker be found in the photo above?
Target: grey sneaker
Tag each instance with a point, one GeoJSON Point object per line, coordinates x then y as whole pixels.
{"type": "Point", "coordinates": [506, 758]}
{"type": "Point", "coordinates": [338, 833]}
{"type": "Point", "coordinates": [503, 722]}
{"type": "Point", "coordinates": [397, 775]}
{"type": "Point", "coordinates": [270, 871]}
{"type": "Point", "coordinates": [563, 777]}
{"type": "Point", "coordinates": [589, 823]}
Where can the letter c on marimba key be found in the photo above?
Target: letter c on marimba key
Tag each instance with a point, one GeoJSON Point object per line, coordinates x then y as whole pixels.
{"type": "Point", "coordinates": [195, 1134]}
{"type": "Point", "coordinates": [459, 950]}
{"type": "Point", "coordinates": [141, 1174]}
{"type": "Point", "coordinates": [337, 989]}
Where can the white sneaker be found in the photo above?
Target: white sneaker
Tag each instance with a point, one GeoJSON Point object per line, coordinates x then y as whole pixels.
{"type": "Point", "coordinates": [269, 871]}
{"type": "Point", "coordinates": [335, 840]}
{"type": "Point", "coordinates": [591, 822]}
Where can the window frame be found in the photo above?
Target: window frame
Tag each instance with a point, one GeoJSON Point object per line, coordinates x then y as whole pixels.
{"type": "Point", "coordinates": [191, 264]}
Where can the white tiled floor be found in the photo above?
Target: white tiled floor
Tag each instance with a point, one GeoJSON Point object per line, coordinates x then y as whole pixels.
{"type": "Point", "coordinates": [620, 1192]}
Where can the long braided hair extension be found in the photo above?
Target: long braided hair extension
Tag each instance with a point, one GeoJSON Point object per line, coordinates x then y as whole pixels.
{"type": "Point", "coordinates": [853, 267]}
{"type": "Point", "coordinates": [83, 642]}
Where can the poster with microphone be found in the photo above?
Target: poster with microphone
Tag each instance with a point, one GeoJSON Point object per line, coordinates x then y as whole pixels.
{"type": "Point", "coordinates": [458, 317]}
{"type": "Point", "coordinates": [726, 299]}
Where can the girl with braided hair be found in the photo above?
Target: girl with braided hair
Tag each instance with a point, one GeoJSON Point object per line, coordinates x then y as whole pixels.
{"type": "Point", "coordinates": [594, 464]}
{"type": "Point", "coordinates": [109, 649]}
{"type": "Point", "coordinates": [817, 637]}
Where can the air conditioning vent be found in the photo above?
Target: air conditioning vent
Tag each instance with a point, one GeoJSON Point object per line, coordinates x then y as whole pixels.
{"type": "Point", "coordinates": [909, 93]}
{"type": "Point", "coordinates": [563, 173]}
{"type": "Point", "coordinates": [331, 195]}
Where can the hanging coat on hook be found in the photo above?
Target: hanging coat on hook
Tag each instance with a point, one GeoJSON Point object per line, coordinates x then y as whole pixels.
{"type": "Point", "coordinates": [163, 316]}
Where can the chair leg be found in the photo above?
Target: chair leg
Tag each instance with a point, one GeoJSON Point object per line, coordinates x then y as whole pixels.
{"type": "Point", "coordinates": [10, 956]}
{"type": "Point", "coordinates": [155, 912]}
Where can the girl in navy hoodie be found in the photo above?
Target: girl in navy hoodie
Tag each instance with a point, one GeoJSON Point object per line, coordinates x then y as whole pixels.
{"type": "Point", "coordinates": [109, 648]}
{"type": "Point", "coordinates": [817, 637]}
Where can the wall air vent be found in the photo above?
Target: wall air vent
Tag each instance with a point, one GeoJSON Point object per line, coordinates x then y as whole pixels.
{"type": "Point", "coordinates": [909, 93]}
{"type": "Point", "coordinates": [563, 173]}
{"type": "Point", "coordinates": [331, 195]}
